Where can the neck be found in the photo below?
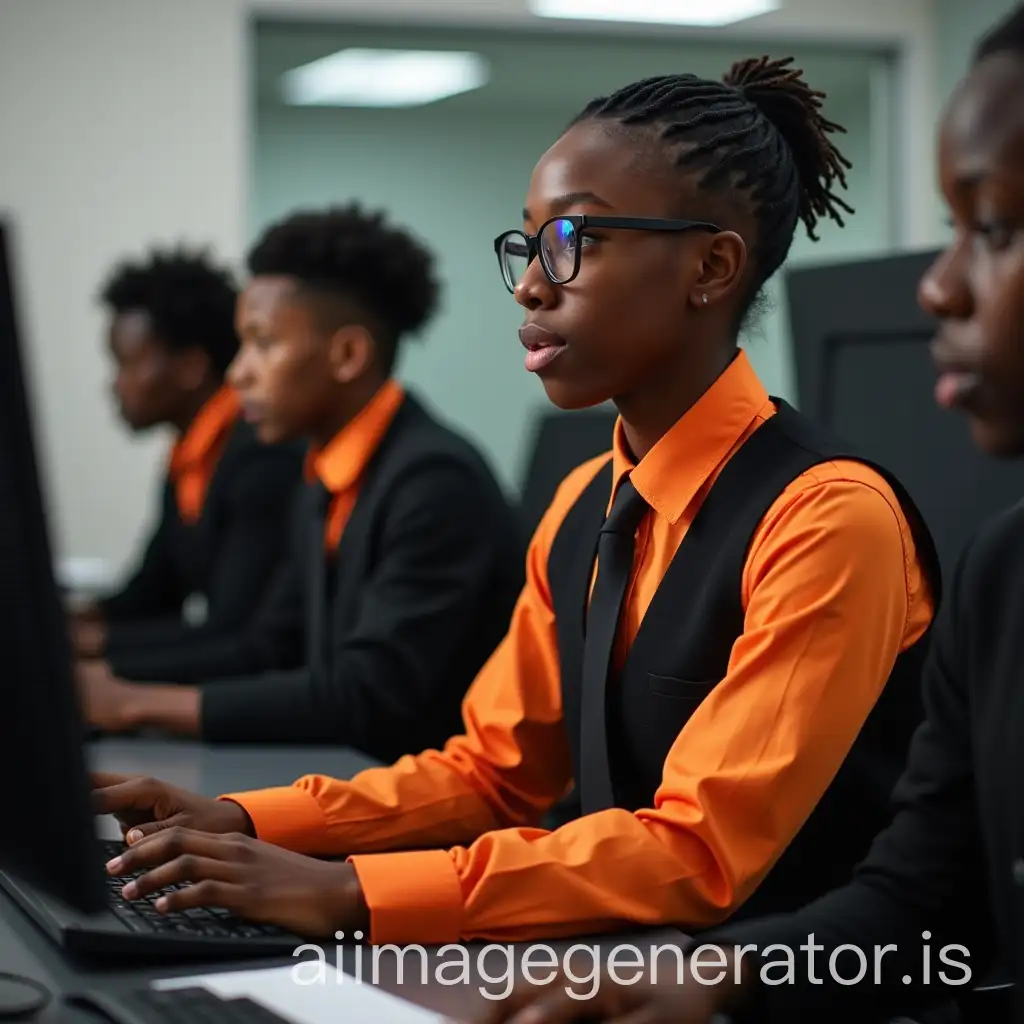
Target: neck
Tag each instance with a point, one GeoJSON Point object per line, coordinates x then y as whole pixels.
{"type": "Point", "coordinates": [650, 412]}
{"type": "Point", "coordinates": [191, 405]}
{"type": "Point", "coordinates": [351, 402]}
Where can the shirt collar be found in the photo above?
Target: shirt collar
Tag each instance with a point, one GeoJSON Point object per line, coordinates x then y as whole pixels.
{"type": "Point", "coordinates": [341, 462]}
{"type": "Point", "coordinates": [206, 430]}
{"type": "Point", "coordinates": [675, 469]}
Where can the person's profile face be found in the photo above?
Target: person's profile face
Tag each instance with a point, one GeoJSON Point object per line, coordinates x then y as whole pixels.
{"type": "Point", "coordinates": [625, 316]}
{"type": "Point", "coordinates": [281, 372]}
{"type": "Point", "coordinates": [144, 385]}
{"type": "Point", "coordinates": [976, 287]}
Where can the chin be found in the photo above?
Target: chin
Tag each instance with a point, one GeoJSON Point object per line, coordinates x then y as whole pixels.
{"type": "Point", "coordinates": [570, 397]}
{"type": "Point", "coordinates": [137, 424]}
{"type": "Point", "coordinates": [271, 433]}
{"type": "Point", "coordinates": [1000, 439]}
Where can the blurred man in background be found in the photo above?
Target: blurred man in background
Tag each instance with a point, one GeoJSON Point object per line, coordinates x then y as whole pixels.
{"type": "Point", "coordinates": [221, 528]}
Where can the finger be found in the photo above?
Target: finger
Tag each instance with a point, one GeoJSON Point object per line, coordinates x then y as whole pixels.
{"type": "Point", "coordinates": [558, 1007]}
{"type": "Point", "coordinates": [167, 845]}
{"type": "Point", "coordinates": [654, 1013]}
{"type": "Point", "coordinates": [187, 868]}
{"type": "Point", "coordinates": [563, 1003]}
{"type": "Point", "coordinates": [503, 1010]}
{"type": "Point", "coordinates": [134, 832]}
{"type": "Point", "coordinates": [240, 900]}
{"type": "Point", "coordinates": [131, 794]}
{"type": "Point", "coordinates": [104, 780]}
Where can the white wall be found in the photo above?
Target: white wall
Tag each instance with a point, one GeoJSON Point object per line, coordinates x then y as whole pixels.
{"type": "Point", "coordinates": [122, 123]}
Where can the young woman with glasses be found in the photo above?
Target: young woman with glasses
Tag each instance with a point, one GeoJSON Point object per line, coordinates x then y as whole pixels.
{"type": "Point", "coordinates": [719, 638]}
{"type": "Point", "coordinates": [937, 906]}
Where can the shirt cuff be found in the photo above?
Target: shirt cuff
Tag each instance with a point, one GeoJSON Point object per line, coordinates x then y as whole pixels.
{"type": "Point", "coordinates": [284, 816]}
{"type": "Point", "coordinates": [413, 896]}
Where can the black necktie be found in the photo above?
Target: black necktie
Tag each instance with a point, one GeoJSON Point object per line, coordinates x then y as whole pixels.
{"type": "Point", "coordinates": [615, 550]}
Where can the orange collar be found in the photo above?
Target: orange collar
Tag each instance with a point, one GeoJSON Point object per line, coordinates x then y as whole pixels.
{"type": "Point", "coordinates": [342, 461]}
{"type": "Point", "coordinates": [195, 454]}
{"type": "Point", "coordinates": [674, 470]}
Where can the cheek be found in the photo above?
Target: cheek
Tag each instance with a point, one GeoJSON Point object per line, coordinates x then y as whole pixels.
{"type": "Point", "coordinates": [285, 379]}
{"type": "Point", "coordinates": [620, 297]}
{"type": "Point", "coordinates": [999, 301]}
{"type": "Point", "coordinates": [135, 385]}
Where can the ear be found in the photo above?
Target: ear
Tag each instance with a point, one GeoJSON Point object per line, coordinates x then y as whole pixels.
{"type": "Point", "coordinates": [193, 367]}
{"type": "Point", "coordinates": [723, 263]}
{"type": "Point", "coordinates": [351, 353]}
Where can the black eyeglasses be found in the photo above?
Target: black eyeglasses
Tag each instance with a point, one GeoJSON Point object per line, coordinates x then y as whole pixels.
{"type": "Point", "coordinates": [558, 243]}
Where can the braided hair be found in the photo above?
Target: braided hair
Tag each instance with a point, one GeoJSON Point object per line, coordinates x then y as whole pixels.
{"type": "Point", "coordinates": [760, 131]}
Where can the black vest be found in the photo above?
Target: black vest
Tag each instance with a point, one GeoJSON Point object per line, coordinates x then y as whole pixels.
{"type": "Point", "coordinates": [684, 643]}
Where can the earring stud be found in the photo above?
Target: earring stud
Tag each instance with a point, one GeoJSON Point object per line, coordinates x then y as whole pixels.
{"type": "Point", "coordinates": [704, 298]}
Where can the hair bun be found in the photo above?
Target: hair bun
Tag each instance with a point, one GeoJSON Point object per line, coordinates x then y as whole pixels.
{"type": "Point", "coordinates": [785, 99]}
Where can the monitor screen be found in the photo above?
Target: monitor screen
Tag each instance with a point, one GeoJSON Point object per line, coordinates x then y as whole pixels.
{"type": "Point", "coordinates": [48, 836]}
{"type": "Point", "coordinates": [861, 345]}
{"type": "Point", "coordinates": [879, 392]}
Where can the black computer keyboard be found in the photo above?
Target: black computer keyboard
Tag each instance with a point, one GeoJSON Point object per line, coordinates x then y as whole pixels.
{"type": "Point", "coordinates": [174, 1006]}
{"type": "Point", "coordinates": [142, 917]}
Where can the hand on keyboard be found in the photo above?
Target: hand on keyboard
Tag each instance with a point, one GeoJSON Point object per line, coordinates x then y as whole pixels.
{"type": "Point", "coordinates": [145, 806]}
{"type": "Point", "coordinates": [252, 880]}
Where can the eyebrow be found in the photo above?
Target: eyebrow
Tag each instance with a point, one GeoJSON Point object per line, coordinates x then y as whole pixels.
{"type": "Point", "coordinates": [971, 178]}
{"type": "Point", "coordinates": [562, 203]}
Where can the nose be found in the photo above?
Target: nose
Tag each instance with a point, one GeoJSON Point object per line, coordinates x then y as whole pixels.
{"type": "Point", "coordinates": [535, 290]}
{"type": "Point", "coordinates": [237, 373]}
{"type": "Point", "coordinates": [944, 290]}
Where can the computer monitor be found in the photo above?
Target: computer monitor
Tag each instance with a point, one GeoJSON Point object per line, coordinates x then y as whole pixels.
{"type": "Point", "coordinates": [49, 830]}
{"type": "Point", "coordinates": [861, 345]}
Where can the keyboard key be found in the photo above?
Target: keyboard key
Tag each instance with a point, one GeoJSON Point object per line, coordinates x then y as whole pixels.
{"type": "Point", "coordinates": [142, 917]}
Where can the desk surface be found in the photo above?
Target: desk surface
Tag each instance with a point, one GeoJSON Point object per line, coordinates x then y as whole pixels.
{"type": "Point", "coordinates": [215, 770]}
{"type": "Point", "coordinates": [211, 771]}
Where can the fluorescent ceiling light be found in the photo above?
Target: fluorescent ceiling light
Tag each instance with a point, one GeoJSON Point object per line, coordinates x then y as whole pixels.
{"type": "Point", "coordinates": [664, 12]}
{"type": "Point", "coordinates": [384, 78]}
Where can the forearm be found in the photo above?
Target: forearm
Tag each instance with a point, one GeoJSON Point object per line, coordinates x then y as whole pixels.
{"type": "Point", "coordinates": [602, 873]}
{"type": "Point", "coordinates": [155, 706]}
{"type": "Point", "coordinates": [855, 955]}
{"type": "Point", "coordinates": [272, 707]}
{"type": "Point", "coordinates": [192, 660]}
{"type": "Point", "coordinates": [422, 801]}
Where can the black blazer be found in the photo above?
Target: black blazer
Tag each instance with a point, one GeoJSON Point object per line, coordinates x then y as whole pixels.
{"type": "Point", "coordinates": [376, 647]}
{"type": "Point", "coordinates": [228, 557]}
{"type": "Point", "coordinates": [951, 863]}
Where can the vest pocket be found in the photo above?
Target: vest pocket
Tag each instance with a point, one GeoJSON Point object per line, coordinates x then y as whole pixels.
{"type": "Point", "coordinates": [679, 689]}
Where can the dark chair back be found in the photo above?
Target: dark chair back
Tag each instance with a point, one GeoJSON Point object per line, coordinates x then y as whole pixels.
{"type": "Point", "coordinates": [561, 442]}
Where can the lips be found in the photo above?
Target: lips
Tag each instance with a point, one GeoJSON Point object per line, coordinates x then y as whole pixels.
{"type": "Point", "coordinates": [252, 412]}
{"type": "Point", "coordinates": [542, 346]}
{"type": "Point", "coordinates": [958, 380]}
{"type": "Point", "coordinates": [955, 387]}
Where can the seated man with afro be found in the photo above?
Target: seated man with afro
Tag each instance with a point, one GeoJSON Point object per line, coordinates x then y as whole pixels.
{"type": "Point", "coordinates": [406, 557]}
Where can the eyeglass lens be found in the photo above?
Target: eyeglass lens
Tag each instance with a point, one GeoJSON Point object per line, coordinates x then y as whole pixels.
{"type": "Point", "coordinates": [557, 244]}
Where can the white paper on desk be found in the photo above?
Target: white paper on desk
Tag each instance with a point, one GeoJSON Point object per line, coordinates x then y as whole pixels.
{"type": "Point", "coordinates": [330, 1000]}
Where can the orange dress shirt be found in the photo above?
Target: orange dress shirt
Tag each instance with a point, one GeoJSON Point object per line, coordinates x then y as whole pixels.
{"type": "Point", "coordinates": [340, 465]}
{"type": "Point", "coordinates": [832, 592]}
{"type": "Point", "coordinates": [196, 453]}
